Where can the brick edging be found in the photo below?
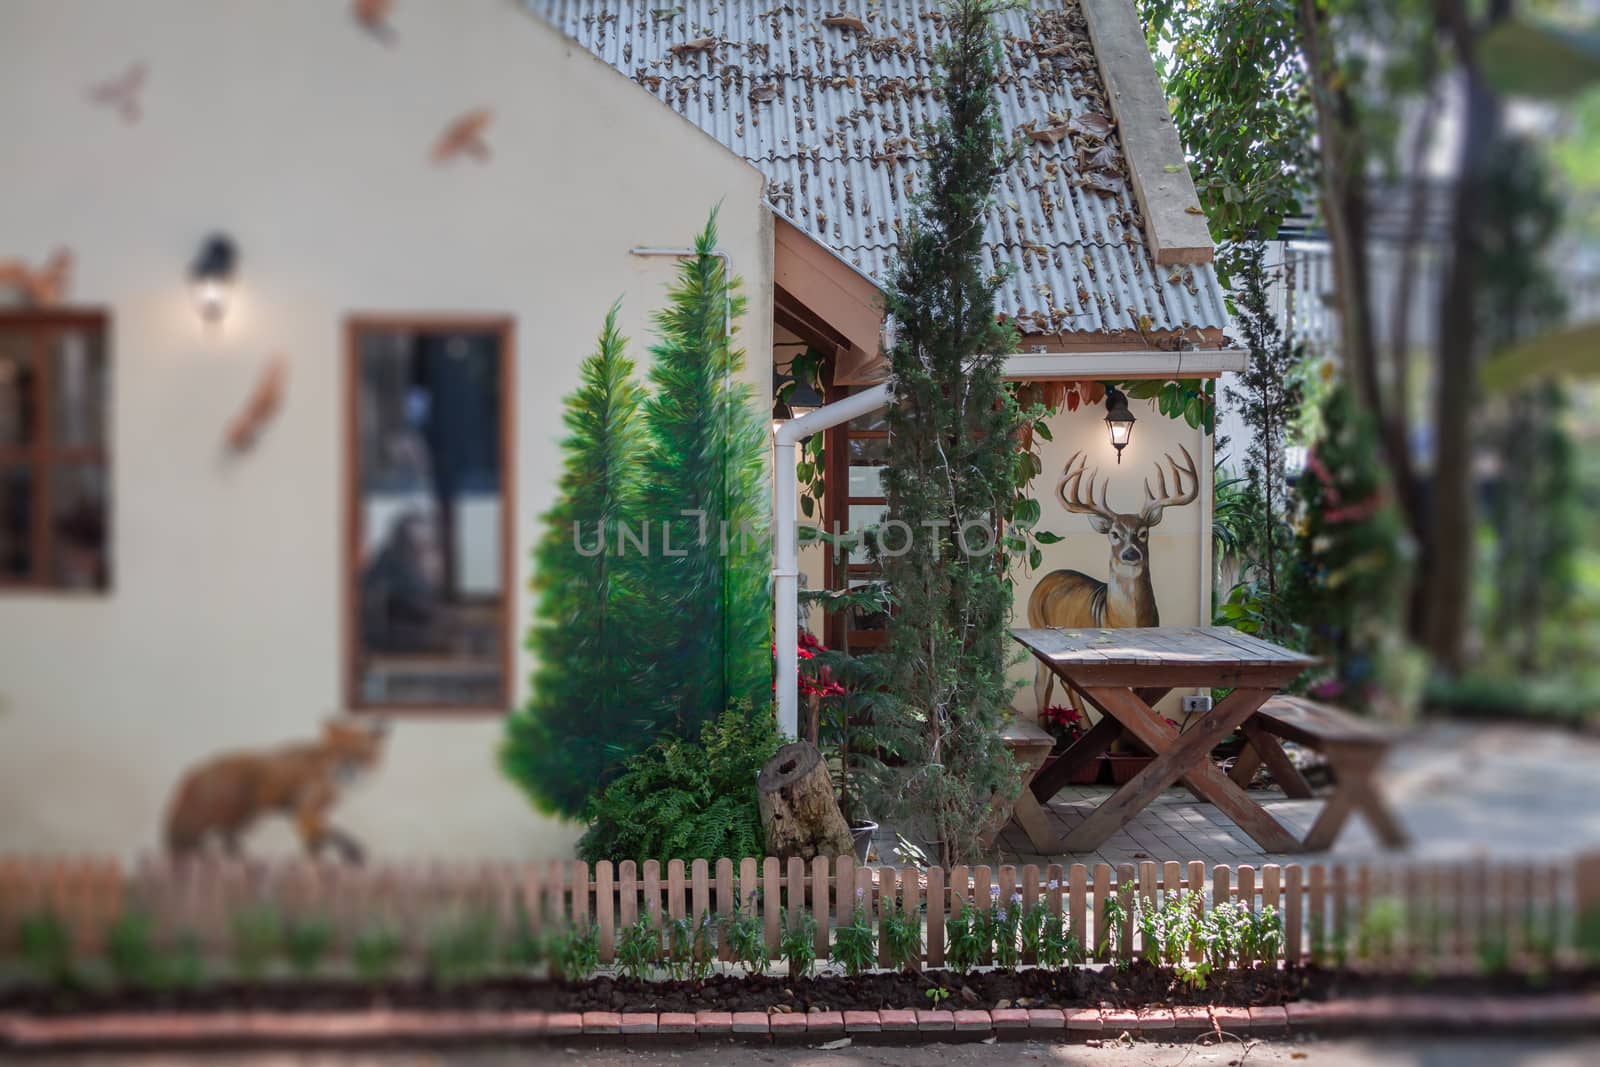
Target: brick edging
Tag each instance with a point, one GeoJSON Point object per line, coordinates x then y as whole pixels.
{"type": "Point", "coordinates": [1563, 1012]}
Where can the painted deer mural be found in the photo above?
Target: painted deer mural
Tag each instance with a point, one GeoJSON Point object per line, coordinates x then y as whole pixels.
{"type": "Point", "coordinates": [1072, 599]}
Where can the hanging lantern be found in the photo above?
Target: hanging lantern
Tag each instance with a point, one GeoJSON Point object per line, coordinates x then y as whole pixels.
{"type": "Point", "coordinates": [1119, 420]}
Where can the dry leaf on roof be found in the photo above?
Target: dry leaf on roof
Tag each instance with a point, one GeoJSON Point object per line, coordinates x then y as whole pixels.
{"type": "Point", "coordinates": [1100, 183]}
{"type": "Point", "coordinates": [763, 93]}
{"type": "Point", "coordinates": [1050, 134]}
{"type": "Point", "coordinates": [699, 44]}
{"type": "Point", "coordinates": [845, 22]}
{"type": "Point", "coordinates": [1104, 158]}
{"type": "Point", "coordinates": [1092, 124]}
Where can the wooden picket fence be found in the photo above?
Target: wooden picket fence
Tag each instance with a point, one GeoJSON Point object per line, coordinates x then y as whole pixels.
{"type": "Point", "coordinates": [1406, 915]}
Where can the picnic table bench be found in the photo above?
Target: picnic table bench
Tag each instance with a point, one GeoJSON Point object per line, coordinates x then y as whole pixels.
{"type": "Point", "coordinates": [1354, 750]}
{"type": "Point", "coordinates": [1123, 672]}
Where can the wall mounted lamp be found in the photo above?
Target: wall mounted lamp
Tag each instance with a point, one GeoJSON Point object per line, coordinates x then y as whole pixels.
{"type": "Point", "coordinates": [1119, 420]}
{"type": "Point", "coordinates": [211, 276]}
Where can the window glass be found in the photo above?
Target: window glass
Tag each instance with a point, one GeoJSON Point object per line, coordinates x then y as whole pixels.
{"type": "Point", "coordinates": [16, 522]}
{"type": "Point", "coordinates": [16, 388]}
{"type": "Point", "coordinates": [78, 379]}
{"type": "Point", "coordinates": [429, 593]}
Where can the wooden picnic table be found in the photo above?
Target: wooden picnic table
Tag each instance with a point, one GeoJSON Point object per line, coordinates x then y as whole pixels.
{"type": "Point", "coordinates": [1122, 673]}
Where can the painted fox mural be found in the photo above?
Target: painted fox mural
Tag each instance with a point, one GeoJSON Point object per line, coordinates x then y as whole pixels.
{"type": "Point", "coordinates": [1072, 599]}
{"type": "Point", "coordinates": [224, 796]}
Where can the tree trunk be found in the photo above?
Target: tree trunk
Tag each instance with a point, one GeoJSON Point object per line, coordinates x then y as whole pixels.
{"type": "Point", "coordinates": [798, 808]}
{"type": "Point", "coordinates": [1448, 561]}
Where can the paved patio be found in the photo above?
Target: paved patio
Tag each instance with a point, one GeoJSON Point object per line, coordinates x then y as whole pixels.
{"type": "Point", "coordinates": [1506, 792]}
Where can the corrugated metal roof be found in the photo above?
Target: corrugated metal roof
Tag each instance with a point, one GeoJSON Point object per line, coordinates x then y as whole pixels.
{"type": "Point", "coordinates": [834, 117]}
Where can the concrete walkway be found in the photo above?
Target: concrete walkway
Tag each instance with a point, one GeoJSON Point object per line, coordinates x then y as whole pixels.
{"type": "Point", "coordinates": [1501, 792]}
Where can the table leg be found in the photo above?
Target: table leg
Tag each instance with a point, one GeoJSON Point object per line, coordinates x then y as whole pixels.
{"type": "Point", "coordinates": [1186, 757]}
{"type": "Point", "coordinates": [1049, 781]}
{"type": "Point", "coordinates": [1353, 768]}
{"type": "Point", "coordinates": [1030, 815]}
{"type": "Point", "coordinates": [1272, 754]}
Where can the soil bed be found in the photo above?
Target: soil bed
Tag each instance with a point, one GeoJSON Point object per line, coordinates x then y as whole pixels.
{"type": "Point", "coordinates": [1138, 986]}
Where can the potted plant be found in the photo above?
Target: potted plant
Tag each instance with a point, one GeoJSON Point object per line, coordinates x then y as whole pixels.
{"type": "Point", "coordinates": [1065, 724]}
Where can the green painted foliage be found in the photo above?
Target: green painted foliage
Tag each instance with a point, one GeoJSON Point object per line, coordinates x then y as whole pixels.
{"type": "Point", "coordinates": [591, 687]}
{"type": "Point", "coordinates": [703, 481]}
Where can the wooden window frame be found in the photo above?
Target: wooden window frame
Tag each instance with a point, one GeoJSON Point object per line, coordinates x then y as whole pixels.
{"type": "Point", "coordinates": [839, 572]}
{"type": "Point", "coordinates": [504, 328]}
{"type": "Point", "coordinates": [43, 456]}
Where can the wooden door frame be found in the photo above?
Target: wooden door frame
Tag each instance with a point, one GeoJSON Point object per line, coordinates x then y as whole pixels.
{"type": "Point", "coordinates": [504, 328]}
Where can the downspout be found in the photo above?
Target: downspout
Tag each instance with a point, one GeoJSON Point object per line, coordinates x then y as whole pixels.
{"type": "Point", "coordinates": [786, 540]}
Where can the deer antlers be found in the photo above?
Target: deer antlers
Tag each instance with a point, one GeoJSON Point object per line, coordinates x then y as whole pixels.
{"type": "Point", "coordinates": [1070, 488]}
{"type": "Point", "coordinates": [1154, 504]}
{"type": "Point", "coordinates": [1072, 482]}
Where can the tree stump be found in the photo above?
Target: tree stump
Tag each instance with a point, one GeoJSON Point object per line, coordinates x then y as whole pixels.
{"type": "Point", "coordinates": [798, 809]}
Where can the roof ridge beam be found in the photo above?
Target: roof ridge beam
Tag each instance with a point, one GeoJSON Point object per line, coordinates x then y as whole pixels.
{"type": "Point", "coordinates": [1175, 227]}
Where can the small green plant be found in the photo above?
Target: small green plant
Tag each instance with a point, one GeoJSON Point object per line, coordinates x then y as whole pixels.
{"type": "Point", "coordinates": [1588, 935]}
{"type": "Point", "coordinates": [854, 945]}
{"type": "Point", "coordinates": [1494, 954]}
{"type": "Point", "coordinates": [937, 996]}
{"type": "Point", "coordinates": [257, 935]}
{"type": "Point", "coordinates": [132, 953]}
{"type": "Point", "coordinates": [46, 944]}
{"type": "Point", "coordinates": [1116, 915]}
{"type": "Point", "coordinates": [689, 948]}
{"type": "Point", "coordinates": [1170, 929]}
{"type": "Point", "coordinates": [746, 938]}
{"type": "Point", "coordinates": [1193, 973]}
{"type": "Point", "coordinates": [1057, 947]}
{"type": "Point", "coordinates": [638, 948]}
{"type": "Point", "coordinates": [1006, 922]}
{"type": "Point", "coordinates": [574, 952]}
{"type": "Point", "coordinates": [902, 938]}
{"type": "Point", "coordinates": [306, 942]}
{"type": "Point", "coordinates": [798, 945]}
{"type": "Point", "coordinates": [524, 948]}
{"type": "Point", "coordinates": [376, 953]}
{"type": "Point", "coordinates": [1266, 936]}
{"type": "Point", "coordinates": [463, 950]}
{"type": "Point", "coordinates": [186, 966]}
{"type": "Point", "coordinates": [1379, 932]}
{"type": "Point", "coordinates": [966, 938]}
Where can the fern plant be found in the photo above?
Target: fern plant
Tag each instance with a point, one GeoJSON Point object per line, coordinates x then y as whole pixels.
{"type": "Point", "coordinates": [688, 799]}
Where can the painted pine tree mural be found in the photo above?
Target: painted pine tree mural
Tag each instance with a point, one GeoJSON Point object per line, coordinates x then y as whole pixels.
{"type": "Point", "coordinates": [704, 485]}
{"type": "Point", "coordinates": [593, 675]}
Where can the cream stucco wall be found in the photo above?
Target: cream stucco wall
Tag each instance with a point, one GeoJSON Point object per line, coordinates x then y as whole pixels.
{"type": "Point", "coordinates": [285, 125]}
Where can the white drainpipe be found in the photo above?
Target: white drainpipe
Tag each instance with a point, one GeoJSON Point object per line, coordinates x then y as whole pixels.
{"type": "Point", "coordinates": [1022, 366]}
{"type": "Point", "coordinates": [786, 544]}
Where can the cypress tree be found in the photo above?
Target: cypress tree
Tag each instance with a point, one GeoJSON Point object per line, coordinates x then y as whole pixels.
{"type": "Point", "coordinates": [704, 496]}
{"type": "Point", "coordinates": [953, 439]}
{"type": "Point", "coordinates": [590, 683]}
